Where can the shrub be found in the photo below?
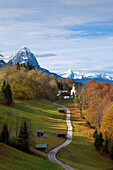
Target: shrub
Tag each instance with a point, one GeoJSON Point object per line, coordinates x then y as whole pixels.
{"type": "Point", "coordinates": [83, 114]}
{"type": "Point", "coordinates": [88, 123]}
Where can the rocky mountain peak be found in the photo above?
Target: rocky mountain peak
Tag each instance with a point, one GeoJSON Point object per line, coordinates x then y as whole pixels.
{"type": "Point", "coordinates": [23, 56]}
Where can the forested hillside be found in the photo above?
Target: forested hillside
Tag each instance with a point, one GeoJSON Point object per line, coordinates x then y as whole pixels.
{"type": "Point", "coordinates": [96, 106]}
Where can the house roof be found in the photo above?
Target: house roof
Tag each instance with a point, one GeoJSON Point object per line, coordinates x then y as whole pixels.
{"type": "Point", "coordinates": [41, 145]}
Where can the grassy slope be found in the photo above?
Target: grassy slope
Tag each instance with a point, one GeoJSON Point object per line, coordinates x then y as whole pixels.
{"type": "Point", "coordinates": [13, 159]}
{"type": "Point", "coordinates": [81, 154]}
{"type": "Point", "coordinates": [43, 115]}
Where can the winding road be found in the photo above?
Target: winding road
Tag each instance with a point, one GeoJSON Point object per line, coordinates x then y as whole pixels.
{"type": "Point", "coordinates": [53, 152]}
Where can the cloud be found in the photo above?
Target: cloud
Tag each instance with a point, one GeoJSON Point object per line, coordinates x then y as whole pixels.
{"type": "Point", "coordinates": [45, 55]}
{"type": "Point", "coordinates": [79, 32]}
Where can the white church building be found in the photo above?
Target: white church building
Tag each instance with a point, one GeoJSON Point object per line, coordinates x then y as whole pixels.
{"type": "Point", "coordinates": [73, 90]}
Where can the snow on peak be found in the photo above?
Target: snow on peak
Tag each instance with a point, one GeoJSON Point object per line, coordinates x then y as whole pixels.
{"type": "Point", "coordinates": [69, 74]}
{"type": "Point", "coordinates": [24, 49]}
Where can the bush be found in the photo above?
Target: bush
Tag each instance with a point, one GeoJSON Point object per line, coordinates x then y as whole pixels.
{"type": "Point", "coordinates": [88, 123]}
{"type": "Point", "coordinates": [111, 151]}
{"type": "Point", "coordinates": [83, 114]}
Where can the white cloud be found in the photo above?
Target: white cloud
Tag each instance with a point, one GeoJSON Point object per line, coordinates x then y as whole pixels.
{"type": "Point", "coordinates": [40, 26]}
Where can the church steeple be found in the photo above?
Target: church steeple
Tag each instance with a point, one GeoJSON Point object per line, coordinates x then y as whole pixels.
{"type": "Point", "coordinates": [73, 91]}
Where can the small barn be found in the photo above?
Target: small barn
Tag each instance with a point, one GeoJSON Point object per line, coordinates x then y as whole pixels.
{"type": "Point", "coordinates": [40, 133]}
{"type": "Point", "coordinates": [41, 146]}
{"type": "Point", "coordinates": [61, 134]}
{"type": "Point", "coordinates": [61, 110]}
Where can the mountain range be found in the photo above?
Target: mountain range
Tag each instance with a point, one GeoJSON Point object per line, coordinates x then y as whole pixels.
{"type": "Point", "coordinates": [25, 55]}
{"type": "Point", "coordinates": [80, 77]}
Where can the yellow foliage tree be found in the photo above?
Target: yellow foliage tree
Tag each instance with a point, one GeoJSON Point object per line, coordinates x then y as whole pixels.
{"type": "Point", "coordinates": [107, 125]}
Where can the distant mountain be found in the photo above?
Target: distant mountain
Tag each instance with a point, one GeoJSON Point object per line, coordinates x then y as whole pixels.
{"type": "Point", "coordinates": [25, 55]}
{"type": "Point", "coordinates": [80, 77]}
{"type": "Point", "coordinates": [2, 63]}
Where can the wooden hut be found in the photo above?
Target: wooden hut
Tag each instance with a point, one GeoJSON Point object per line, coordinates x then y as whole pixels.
{"type": "Point", "coordinates": [41, 146]}
{"type": "Point", "coordinates": [40, 133]}
{"type": "Point", "coordinates": [61, 134]}
{"type": "Point", "coordinates": [62, 110]}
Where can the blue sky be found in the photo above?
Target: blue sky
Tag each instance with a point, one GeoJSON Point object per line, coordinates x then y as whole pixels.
{"type": "Point", "coordinates": [76, 34]}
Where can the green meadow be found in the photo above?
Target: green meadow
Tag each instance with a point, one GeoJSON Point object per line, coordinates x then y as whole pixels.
{"type": "Point", "coordinates": [81, 153]}
{"type": "Point", "coordinates": [42, 115]}
{"type": "Point", "coordinates": [13, 159]}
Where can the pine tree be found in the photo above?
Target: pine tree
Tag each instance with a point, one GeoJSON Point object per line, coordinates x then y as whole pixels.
{"type": "Point", "coordinates": [5, 134]}
{"type": "Point", "coordinates": [95, 132]}
{"type": "Point", "coordinates": [23, 138]}
{"type": "Point", "coordinates": [7, 93]}
{"type": "Point", "coordinates": [98, 140]}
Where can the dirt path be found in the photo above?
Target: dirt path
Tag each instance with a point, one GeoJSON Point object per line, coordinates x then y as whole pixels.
{"type": "Point", "coordinates": [53, 152]}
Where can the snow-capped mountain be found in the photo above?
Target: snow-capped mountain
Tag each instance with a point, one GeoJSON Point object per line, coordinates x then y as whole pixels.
{"type": "Point", "coordinates": [25, 55]}
{"type": "Point", "coordinates": [80, 77]}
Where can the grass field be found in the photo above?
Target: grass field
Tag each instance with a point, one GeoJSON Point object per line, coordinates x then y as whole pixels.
{"type": "Point", "coordinates": [43, 115]}
{"type": "Point", "coordinates": [81, 154]}
{"type": "Point", "coordinates": [13, 159]}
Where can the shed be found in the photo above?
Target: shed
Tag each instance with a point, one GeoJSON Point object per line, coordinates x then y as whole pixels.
{"type": "Point", "coordinates": [40, 133]}
{"type": "Point", "coordinates": [62, 110]}
{"type": "Point", "coordinates": [61, 134]}
{"type": "Point", "coordinates": [41, 146]}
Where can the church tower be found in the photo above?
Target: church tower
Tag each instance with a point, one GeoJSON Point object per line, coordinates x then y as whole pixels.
{"type": "Point", "coordinates": [73, 90]}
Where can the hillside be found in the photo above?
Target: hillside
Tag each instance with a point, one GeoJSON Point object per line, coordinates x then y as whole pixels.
{"type": "Point", "coordinates": [82, 152]}
{"type": "Point", "coordinates": [42, 114]}
{"type": "Point", "coordinates": [13, 159]}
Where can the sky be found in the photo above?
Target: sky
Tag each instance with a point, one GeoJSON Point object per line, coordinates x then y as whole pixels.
{"type": "Point", "coordinates": [63, 34]}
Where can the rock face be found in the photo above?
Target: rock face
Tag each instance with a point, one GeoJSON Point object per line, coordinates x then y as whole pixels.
{"type": "Point", "coordinates": [24, 56]}
{"type": "Point", "coordinates": [80, 77]}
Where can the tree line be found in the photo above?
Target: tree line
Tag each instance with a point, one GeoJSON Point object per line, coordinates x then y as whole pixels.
{"type": "Point", "coordinates": [95, 102]}
{"type": "Point", "coordinates": [24, 82]}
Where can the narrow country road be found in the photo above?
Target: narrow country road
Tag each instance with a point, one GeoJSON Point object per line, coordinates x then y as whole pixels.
{"type": "Point", "coordinates": [53, 152]}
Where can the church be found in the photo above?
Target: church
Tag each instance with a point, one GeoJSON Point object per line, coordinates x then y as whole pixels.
{"type": "Point", "coordinates": [73, 91]}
